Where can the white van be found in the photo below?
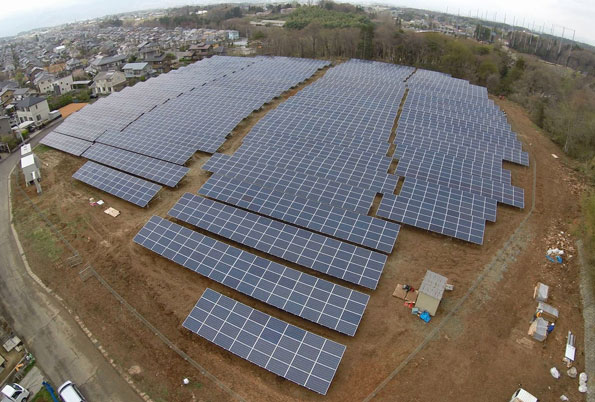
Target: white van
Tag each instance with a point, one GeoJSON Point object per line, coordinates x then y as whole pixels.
{"type": "Point", "coordinates": [70, 393]}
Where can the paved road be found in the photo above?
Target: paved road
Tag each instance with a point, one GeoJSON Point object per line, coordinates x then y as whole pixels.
{"type": "Point", "coordinates": [62, 350]}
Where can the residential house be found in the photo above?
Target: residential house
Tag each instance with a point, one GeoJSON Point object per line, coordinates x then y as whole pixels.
{"type": "Point", "coordinates": [8, 84]}
{"type": "Point", "coordinates": [201, 50]}
{"type": "Point", "coordinates": [6, 95]}
{"type": "Point", "coordinates": [73, 64]}
{"type": "Point", "coordinates": [21, 93]}
{"type": "Point", "coordinates": [63, 85]}
{"type": "Point", "coordinates": [47, 83]}
{"type": "Point", "coordinates": [136, 70]}
{"type": "Point", "coordinates": [232, 35]}
{"type": "Point", "coordinates": [107, 82]}
{"type": "Point", "coordinates": [148, 50]}
{"type": "Point", "coordinates": [44, 82]}
{"type": "Point", "coordinates": [107, 63]}
{"type": "Point", "coordinates": [33, 109]}
{"type": "Point", "coordinates": [158, 63]}
{"type": "Point", "coordinates": [184, 57]}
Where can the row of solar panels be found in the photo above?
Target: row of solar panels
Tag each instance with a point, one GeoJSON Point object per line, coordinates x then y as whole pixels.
{"type": "Point", "coordinates": [451, 141]}
{"type": "Point", "coordinates": [159, 121]}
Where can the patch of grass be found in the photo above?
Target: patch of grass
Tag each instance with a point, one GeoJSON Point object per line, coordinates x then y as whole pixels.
{"type": "Point", "coordinates": [40, 149]}
{"type": "Point", "coordinates": [42, 396]}
{"type": "Point", "coordinates": [43, 242]}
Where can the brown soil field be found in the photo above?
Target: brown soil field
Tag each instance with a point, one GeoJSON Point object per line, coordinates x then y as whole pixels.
{"type": "Point", "coordinates": [481, 353]}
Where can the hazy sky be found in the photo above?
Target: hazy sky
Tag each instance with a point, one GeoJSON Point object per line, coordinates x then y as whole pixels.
{"type": "Point", "coordinates": [16, 16]}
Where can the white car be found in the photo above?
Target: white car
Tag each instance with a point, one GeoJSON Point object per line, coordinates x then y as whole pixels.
{"type": "Point", "coordinates": [14, 393]}
{"type": "Point", "coordinates": [70, 393]}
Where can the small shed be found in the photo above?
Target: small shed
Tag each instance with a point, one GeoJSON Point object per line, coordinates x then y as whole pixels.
{"type": "Point", "coordinates": [30, 167]}
{"type": "Point", "coordinates": [430, 292]}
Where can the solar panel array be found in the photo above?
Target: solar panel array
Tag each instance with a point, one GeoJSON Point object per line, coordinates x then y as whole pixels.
{"type": "Point", "coordinates": [301, 185]}
{"type": "Point", "coordinates": [122, 185]}
{"type": "Point", "coordinates": [157, 170]}
{"type": "Point", "coordinates": [284, 349]}
{"type": "Point", "coordinates": [451, 142]}
{"type": "Point", "coordinates": [439, 209]}
{"type": "Point", "coordinates": [65, 143]}
{"type": "Point", "coordinates": [333, 221]}
{"type": "Point", "coordinates": [287, 181]}
{"type": "Point", "coordinates": [320, 253]}
{"type": "Point", "coordinates": [306, 296]}
{"type": "Point", "coordinates": [148, 128]}
{"type": "Point", "coordinates": [200, 118]}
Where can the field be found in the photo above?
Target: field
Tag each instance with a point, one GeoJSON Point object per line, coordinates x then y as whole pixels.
{"type": "Point", "coordinates": [476, 348]}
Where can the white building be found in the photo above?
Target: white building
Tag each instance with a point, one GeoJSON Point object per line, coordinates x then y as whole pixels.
{"type": "Point", "coordinates": [63, 85]}
{"type": "Point", "coordinates": [48, 83]}
{"type": "Point", "coordinates": [233, 35]}
{"type": "Point", "coordinates": [33, 109]}
{"type": "Point", "coordinates": [44, 82]}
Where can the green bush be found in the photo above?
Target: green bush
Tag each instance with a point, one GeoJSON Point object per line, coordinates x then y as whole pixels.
{"type": "Point", "coordinates": [9, 140]}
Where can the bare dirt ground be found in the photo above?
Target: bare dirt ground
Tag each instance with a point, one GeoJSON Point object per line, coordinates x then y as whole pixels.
{"type": "Point", "coordinates": [482, 354]}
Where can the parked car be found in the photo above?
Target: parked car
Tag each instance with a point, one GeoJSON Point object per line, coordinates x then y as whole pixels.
{"type": "Point", "coordinates": [70, 393]}
{"type": "Point", "coordinates": [14, 393]}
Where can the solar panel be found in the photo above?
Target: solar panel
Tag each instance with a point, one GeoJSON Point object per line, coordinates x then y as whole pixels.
{"type": "Point", "coordinates": [153, 169]}
{"type": "Point", "coordinates": [449, 199]}
{"type": "Point", "coordinates": [281, 348]}
{"type": "Point", "coordinates": [490, 169]}
{"type": "Point", "coordinates": [303, 185]}
{"type": "Point", "coordinates": [425, 214]}
{"type": "Point", "coordinates": [276, 137]}
{"type": "Point", "coordinates": [65, 143]}
{"type": "Point", "coordinates": [360, 229]}
{"type": "Point", "coordinates": [320, 253]}
{"type": "Point", "coordinates": [167, 149]}
{"type": "Point", "coordinates": [299, 153]}
{"type": "Point", "coordinates": [501, 192]}
{"type": "Point", "coordinates": [122, 185]}
{"type": "Point", "coordinates": [81, 129]}
{"type": "Point", "coordinates": [442, 142]}
{"type": "Point", "coordinates": [354, 176]}
{"type": "Point", "coordinates": [306, 296]}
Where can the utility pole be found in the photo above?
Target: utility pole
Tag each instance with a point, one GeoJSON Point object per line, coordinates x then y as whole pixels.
{"type": "Point", "coordinates": [560, 47]}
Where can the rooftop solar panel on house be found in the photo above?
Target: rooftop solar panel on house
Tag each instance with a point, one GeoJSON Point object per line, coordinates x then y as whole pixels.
{"type": "Point", "coordinates": [281, 348]}
{"type": "Point", "coordinates": [320, 253]}
{"type": "Point", "coordinates": [66, 143]}
{"type": "Point", "coordinates": [360, 229]}
{"type": "Point", "coordinates": [122, 185]}
{"type": "Point", "coordinates": [306, 296]}
{"type": "Point", "coordinates": [156, 170]}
